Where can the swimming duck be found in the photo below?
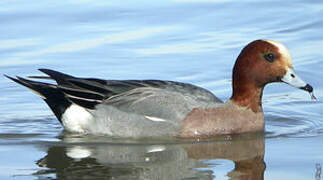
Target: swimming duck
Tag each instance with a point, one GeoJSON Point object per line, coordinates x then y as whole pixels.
{"type": "Point", "coordinates": [155, 108]}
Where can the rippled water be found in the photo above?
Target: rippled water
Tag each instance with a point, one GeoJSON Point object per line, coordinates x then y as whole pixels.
{"type": "Point", "coordinates": [182, 40]}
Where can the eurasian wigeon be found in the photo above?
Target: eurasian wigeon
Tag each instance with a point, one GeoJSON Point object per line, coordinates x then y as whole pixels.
{"type": "Point", "coordinates": [154, 108]}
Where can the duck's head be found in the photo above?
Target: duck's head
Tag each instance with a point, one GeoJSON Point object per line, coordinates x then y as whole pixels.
{"type": "Point", "coordinates": [262, 62]}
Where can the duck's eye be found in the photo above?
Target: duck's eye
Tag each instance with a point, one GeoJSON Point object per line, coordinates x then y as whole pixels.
{"type": "Point", "coordinates": [270, 57]}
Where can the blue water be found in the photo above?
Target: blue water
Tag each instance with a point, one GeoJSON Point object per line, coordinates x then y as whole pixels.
{"type": "Point", "coordinates": [194, 41]}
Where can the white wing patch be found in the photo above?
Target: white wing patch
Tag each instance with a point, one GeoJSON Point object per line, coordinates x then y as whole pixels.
{"type": "Point", "coordinates": [156, 119]}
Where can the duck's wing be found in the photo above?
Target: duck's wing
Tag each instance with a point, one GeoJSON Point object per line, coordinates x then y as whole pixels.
{"type": "Point", "coordinates": [158, 104]}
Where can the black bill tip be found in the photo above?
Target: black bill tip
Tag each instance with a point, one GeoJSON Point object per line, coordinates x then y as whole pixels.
{"type": "Point", "coordinates": [307, 88]}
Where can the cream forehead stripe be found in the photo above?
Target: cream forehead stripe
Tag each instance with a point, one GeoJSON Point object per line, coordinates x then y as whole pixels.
{"type": "Point", "coordinates": [282, 49]}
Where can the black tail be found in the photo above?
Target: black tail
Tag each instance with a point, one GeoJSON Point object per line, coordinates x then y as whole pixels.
{"type": "Point", "coordinates": [54, 97]}
{"type": "Point", "coordinates": [84, 92]}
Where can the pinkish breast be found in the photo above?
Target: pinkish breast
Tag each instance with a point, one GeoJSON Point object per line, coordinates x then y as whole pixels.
{"type": "Point", "coordinates": [227, 119]}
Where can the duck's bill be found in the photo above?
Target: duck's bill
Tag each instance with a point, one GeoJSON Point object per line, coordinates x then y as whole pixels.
{"type": "Point", "coordinates": [292, 79]}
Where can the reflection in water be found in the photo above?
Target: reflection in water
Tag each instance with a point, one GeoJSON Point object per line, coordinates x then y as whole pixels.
{"type": "Point", "coordinates": [318, 171]}
{"type": "Point", "coordinates": [81, 160]}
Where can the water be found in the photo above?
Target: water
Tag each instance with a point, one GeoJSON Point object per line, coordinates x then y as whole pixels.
{"type": "Point", "coordinates": [181, 40]}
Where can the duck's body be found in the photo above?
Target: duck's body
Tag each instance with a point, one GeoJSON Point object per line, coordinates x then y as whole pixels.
{"type": "Point", "coordinates": [121, 108]}
{"type": "Point", "coordinates": [154, 108]}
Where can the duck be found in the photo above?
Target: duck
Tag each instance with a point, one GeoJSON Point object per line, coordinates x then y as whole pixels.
{"type": "Point", "coordinates": [159, 108]}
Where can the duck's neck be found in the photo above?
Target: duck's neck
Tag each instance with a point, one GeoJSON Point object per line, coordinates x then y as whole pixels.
{"type": "Point", "coordinates": [248, 95]}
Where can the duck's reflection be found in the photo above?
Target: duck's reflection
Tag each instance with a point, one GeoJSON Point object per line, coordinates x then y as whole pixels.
{"type": "Point", "coordinates": [76, 158]}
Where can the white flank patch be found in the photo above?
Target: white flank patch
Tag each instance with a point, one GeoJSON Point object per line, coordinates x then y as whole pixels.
{"type": "Point", "coordinates": [282, 49]}
{"type": "Point", "coordinates": [156, 119]}
{"type": "Point", "coordinates": [76, 118]}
